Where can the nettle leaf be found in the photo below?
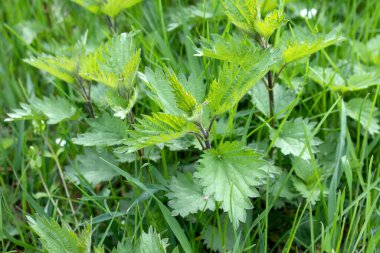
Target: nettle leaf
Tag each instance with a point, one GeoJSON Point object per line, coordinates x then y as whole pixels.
{"type": "Point", "coordinates": [156, 129]}
{"type": "Point", "coordinates": [306, 45]}
{"type": "Point", "coordinates": [110, 8]}
{"type": "Point", "coordinates": [55, 238]}
{"type": "Point", "coordinates": [92, 167]}
{"type": "Point", "coordinates": [103, 131]}
{"type": "Point", "coordinates": [242, 13]}
{"type": "Point", "coordinates": [232, 49]}
{"type": "Point", "coordinates": [54, 109]}
{"type": "Point", "coordinates": [283, 98]}
{"type": "Point", "coordinates": [361, 78]}
{"type": "Point", "coordinates": [174, 94]}
{"type": "Point", "coordinates": [360, 110]}
{"type": "Point", "coordinates": [59, 66]}
{"type": "Point", "coordinates": [236, 80]}
{"type": "Point", "coordinates": [120, 105]}
{"type": "Point", "coordinates": [151, 242]}
{"type": "Point", "coordinates": [272, 21]}
{"type": "Point", "coordinates": [292, 138]}
{"type": "Point", "coordinates": [186, 196]}
{"type": "Point", "coordinates": [114, 64]}
{"type": "Point", "coordinates": [229, 173]}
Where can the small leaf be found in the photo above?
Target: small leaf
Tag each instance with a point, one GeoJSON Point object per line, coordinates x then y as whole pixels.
{"type": "Point", "coordinates": [271, 23]}
{"type": "Point", "coordinates": [360, 110]}
{"type": "Point", "coordinates": [292, 139]}
{"type": "Point", "coordinates": [186, 196]}
{"type": "Point", "coordinates": [110, 8]}
{"type": "Point", "coordinates": [56, 109]}
{"type": "Point", "coordinates": [151, 242]}
{"type": "Point", "coordinates": [229, 173]}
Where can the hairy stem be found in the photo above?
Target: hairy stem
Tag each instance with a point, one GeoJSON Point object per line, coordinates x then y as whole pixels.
{"type": "Point", "coordinates": [270, 88]}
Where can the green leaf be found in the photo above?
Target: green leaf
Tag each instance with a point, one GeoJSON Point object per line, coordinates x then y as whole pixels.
{"type": "Point", "coordinates": [236, 80]}
{"type": "Point", "coordinates": [59, 66]}
{"type": "Point", "coordinates": [242, 13]}
{"type": "Point", "coordinates": [272, 21]}
{"type": "Point", "coordinates": [283, 98]}
{"type": "Point", "coordinates": [232, 49]}
{"type": "Point", "coordinates": [156, 129]}
{"type": "Point", "coordinates": [211, 238]}
{"type": "Point", "coordinates": [292, 140]}
{"type": "Point", "coordinates": [312, 193]}
{"type": "Point", "coordinates": [307, 45]}
{"type": "Point", "coordinates": [120, 105]}
{"type": "Point", "coordinates": [186, 196]}
{"type": "Point", "coordinates": [370, 51]}
{"type": "Point", "coordinates": [103, 131]}
{"type": "Point", "coordinates": [53, 109]}
{"type": "Point", "coordinates": [56, 109]}
{"type": "Point", "coordinates": [229, 173]}
{"type": "Point", "coordinates": [110, 8]}
{"type": "Point", "coordinates": [151, 242]}
{"type": "Point", "coordinates": [114, 64]}
{"type": "Point", "coordinates": [184, 100]}
{"type": "Point", "coordinates": [92, 168]}
{"type": "Point", "coordinates": [360, 110]}
{"type": "Point", "coordinates": [55, 238]}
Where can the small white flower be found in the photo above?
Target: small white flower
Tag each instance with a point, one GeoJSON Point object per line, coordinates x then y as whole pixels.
{"type": "Point", "coordinates": [60, 141]}
{"type": "Point", "coordinates": [308, 14]}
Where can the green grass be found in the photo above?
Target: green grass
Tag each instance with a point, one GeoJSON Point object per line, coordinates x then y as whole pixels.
{"type": "Point", "coordinates": [34, 178]}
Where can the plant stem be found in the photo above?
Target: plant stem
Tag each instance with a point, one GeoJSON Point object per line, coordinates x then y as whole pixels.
{"type": "Point", "coordinates": [87, 96]}
{"type": "Point", "coordinates": [270, 88]}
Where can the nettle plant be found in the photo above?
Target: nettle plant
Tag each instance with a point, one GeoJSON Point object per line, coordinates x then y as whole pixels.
{"type": "Point", "coordinates": [229, 173]}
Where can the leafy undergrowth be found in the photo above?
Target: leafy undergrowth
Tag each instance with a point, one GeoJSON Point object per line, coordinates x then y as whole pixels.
{"type": "Point", "coordinates": [190, 126]}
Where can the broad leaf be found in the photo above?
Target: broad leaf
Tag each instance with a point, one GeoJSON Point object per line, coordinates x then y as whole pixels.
{"type": "Point", "coordinates": [186, 196]}
{"type": "Point", "coordinates": [236, 80]}
{"type": "Point", "coordinates": [59, 66]}
{"type": "Point", "coordinates": [114, 64]}
{"type": "Point", "coordinates": [55, 238]}
{"type": "Point", "coordinates": [156, 129]}
{"type": "Point", "coordinates": [293, 136]}
{"type": "Point", "coordinates": [104, 131]}
{"type": "Point", "coordinates": [361, 110]}
{"type": "Point", "coordinates": [230, 174]}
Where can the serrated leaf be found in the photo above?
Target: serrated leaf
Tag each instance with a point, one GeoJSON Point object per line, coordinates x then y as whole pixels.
{"type": "Point", "coordinates": [235, 80]}
{"type": "Point", "coordinates": [292, 140]}
{"type": "Point", "coordinates": [24, 113]}
{"type": "Point", "coordinates": [229, 173]}
{"type": "Point", "coordinates": [92, 168]}
{"type": "Point", "coordinates": [368, 52]}
{"type": "Point", "coordinates": [110, 8]}
{"type": "Point", "coordinates": [232, 49]}
{"type": "Point", "coordinates": [60, 66]}
{"type": "Point", "coordinates": [151, 242]}
{"type": "Point", "coordinates": [103, 131]}
{"type": "Point", "coordinates": [156, 129]}
{"type": "Point", "coordinates": [120, 105]}
{"type": "Point", "coordinates": [360, 110]}
{"type": "Point", "coordinates": [242, 13]}
{"type": "Point", "coordinates": [55, 238]}
{"type": "Point", "coordinates": [283, 98]}
{"type": "Point", "coordinates": [272, 21]}
{"type": "Point", "coordinates": [114, 64]}
{"type": "Point", "coordinates": [312, 193]}
{"type": "Point", "coordinates": [308, 45]}
{"type": "Point", "coordinates": [174, 94]}
{"type": "Point", "coordinates": [186, 196]}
